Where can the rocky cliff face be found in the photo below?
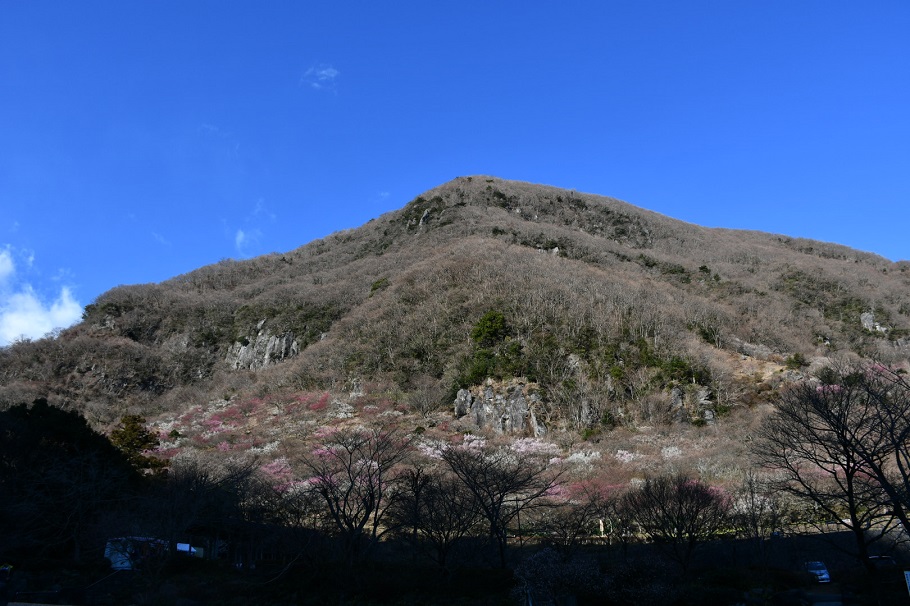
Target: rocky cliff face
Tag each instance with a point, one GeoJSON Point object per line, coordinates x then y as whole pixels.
{"type": "Point", "coordinates": [693, 404]}
{"type": "Point", "coordinates": [504, 408]}
{"type": "Point", "coordinates": [262, 350]}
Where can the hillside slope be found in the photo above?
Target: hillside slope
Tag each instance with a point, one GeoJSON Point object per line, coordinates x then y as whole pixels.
{"type": "Point", "coordinates": [599, 312]}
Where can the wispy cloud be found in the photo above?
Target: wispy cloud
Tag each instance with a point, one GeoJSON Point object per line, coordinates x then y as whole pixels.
{"type": "Point", "coordinates": [7, 267]}
{"type": "Point", "coordinates": [23, 312]}
{"type": "Point", "coordinates": [219, 138]}
{"type": "Point", "coordinates": [160, 239]}
{"type": "Point", "coordinates": [244, 240]}
{"type": "Point", "coordinates": [247, 239]}
{"type": "Point", "coordinates": [260, 211]}
{"type": "Point", "coordinates": [210, 129]}
{"type": "Point", "coordinates": [381, 198]}
{"type": "Point", "coordinates": [240, 240]}
{"type": "Point", "coordinates": [320, 77]}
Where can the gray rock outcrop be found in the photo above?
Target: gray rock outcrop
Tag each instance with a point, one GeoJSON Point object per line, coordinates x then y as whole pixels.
{"type": "Point", "coordinates": [262, 350]}
{"type": "Point", "coordinates": [867, 319]}
{"type": "Point", "coordinates": [754, 350]}
{"type": "Point", "coordinates": [504, 408]}
{"type": "Point", "coordinates": [688, 404]}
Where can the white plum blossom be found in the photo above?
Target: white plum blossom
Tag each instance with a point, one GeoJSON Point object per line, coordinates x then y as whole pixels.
{"type": "Point", "coordinates": [671, 452]}
{"type": "Point", "coordinates": [472, 442]}
{"type": "Point", "coordinates": [432, 448]}
{"type": "Point", "coordinates": [265, 448]}
{"type": "Point", "coordinates": [534, 446]}
{"type": "Point", "coordinates": [624, 456]}
{"type": "Point", "coordinates": [342, 410]}
{"type": "Point", "coordinates": [583, 457]}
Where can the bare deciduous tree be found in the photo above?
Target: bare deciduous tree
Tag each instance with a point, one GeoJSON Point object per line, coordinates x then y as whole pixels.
{"type": "Point", "coordinates": [437, 510]}
{"type": "Point", "coordinates": [882, 440]}
{"type": "Point", "coordinates": [427, 397]}
{"type": "Point", "coordinates": [505, 481]}
{"type": "Point", "coordinates": [678, 513]}
{"type": "Point", "coordinates": [832, 442]}
{"type": "Point", "coordinates": [759, 509]}
{"type": "Point", "coordinates": [354, 471]}
{"type": "Point", "coordinates": [579, 514]}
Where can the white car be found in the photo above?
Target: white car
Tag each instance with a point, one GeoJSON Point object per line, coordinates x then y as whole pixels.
{"type": "Point", "coordinates": [819, 571]}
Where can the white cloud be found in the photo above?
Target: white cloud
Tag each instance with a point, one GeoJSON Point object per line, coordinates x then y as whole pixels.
{"type": "Point", "coordinates": [240, 239]}
{"type": "Point", "coordinates": [7, 267]}
{"type": "Point", "coordinates": [210, 129]}
{"type": "Point", "coordinates": [23, 313]}
{"type": "Point", "coordinates": [160, 239]}
{"type": "Point", "coordinates": [320, 77]}
{"type": "Point", "coordinates": [260, 211]}
{"type": "Point", "coordinates": [244, 239]}
{"type": "Point", "coordinates": [247, 239]}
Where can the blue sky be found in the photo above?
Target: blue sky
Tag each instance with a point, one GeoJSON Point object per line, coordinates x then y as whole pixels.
{"type": "Point", "coordinates": [140, 140]}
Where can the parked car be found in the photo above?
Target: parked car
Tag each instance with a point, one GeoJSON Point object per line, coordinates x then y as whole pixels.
{"type": "Point", "coordinates": [819, 571]}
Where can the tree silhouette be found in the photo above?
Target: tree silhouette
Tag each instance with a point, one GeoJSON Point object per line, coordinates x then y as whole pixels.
{"type": "Point", "coordinates": [58, 477]}
{"type": "Point", "coordinates": [134, 440]}
{"type": "Point", "coordinates": [354, 471]}
{"type": "Point", "coordinates": [841, 444]}
{"type": "Point", "coordinates": [505, 480]}
{"type": "Point", "coordinates": [435, 511]}
{"type": "Point", "coordinates": [678, 513]}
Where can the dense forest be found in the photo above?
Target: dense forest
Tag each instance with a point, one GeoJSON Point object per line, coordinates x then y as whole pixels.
{"type": "Point", "coordinates": [496, 393]}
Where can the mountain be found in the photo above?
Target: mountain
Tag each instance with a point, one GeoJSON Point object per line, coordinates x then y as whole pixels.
{"type": "Point", "coordinates": [582, 311]}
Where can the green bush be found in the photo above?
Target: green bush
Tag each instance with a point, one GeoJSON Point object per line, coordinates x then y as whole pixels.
{"type": "Point", "coordinates": [796, 361]}
{"type": "Point", "coordinates": [477, 368]}
{"type": "Point", "coordinates": [490, 329]}
{"type": "Point", "coordinates": [380, 284]}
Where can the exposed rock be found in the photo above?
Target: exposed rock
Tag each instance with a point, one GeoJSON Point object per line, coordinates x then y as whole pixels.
{"type": "Point", "coordinates": [792, 375]}
{"type": "Point", "coordinates": [867, 319]}
{"type": "Point", "coordinates": [463, 402]}
{"type": "Point", "coordinates": [708, 416]}
{"type": "Point", "coordinates": [691, 404]}
{"type": "Point", "coordinates": [356, 389]}
{"type": "Point", "coordinates": [678, 412]}
{"type": "Point", "coordinates": [176, 343]}
{"type": "Point", "coordinates": [504, 408]}
{"type": "Point", "coordinates": [754, 350]}
{"type": "Point", "coordinates": [676, 398]}
{"type": "Point", "coordinates": [262, 350]}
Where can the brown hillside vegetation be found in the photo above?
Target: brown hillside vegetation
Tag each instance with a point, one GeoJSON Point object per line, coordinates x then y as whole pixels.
{"type": "Point", "coordinates": [558, 392]}
{"type": "Point", "coordinates": [606, 307]}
